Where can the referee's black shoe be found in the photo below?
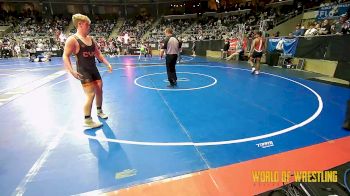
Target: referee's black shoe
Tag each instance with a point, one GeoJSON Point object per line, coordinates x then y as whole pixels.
{"type": "Point", "coordinates": [172, 84]}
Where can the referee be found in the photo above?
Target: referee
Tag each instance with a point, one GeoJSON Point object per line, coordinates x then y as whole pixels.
{"type": "Point", "coordinates": [171, 48]}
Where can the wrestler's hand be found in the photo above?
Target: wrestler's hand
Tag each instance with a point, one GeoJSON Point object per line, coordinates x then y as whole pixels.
{"type": "Point", "coordinates": [77, 75]}
{"type": "Point", "coordinates": [110, 68]}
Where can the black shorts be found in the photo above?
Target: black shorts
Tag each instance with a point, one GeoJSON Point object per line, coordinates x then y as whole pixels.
{"type": "Point", "coordinates": [257, 54]}
{"type": "Point", "coordinates": [89, 75]}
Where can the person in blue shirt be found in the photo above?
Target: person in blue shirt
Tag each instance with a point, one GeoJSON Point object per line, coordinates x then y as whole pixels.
{"type": "Point", "coordinates": [298, 31]}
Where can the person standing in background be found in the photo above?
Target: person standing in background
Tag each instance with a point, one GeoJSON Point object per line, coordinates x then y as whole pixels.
{"type": "Point", "coordinates": [225, 49]}
{"type": "Point", "coordinates": [256, 52]}
{"type": "Point", "coordinates": [180, 51]}
{"type": "Point", "coordinates": [171, 48]}
{"type": "Point", "coordinates": [194, 47]}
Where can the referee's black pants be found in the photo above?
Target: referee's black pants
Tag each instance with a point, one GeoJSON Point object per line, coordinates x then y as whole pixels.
{"type": "Point", "coordinates": [170, 61]}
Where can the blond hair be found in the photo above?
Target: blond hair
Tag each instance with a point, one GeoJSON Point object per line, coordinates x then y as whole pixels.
{"type": "Point", "coordinates": [76, 18]}
{"type": "Point", "coordinates": [168, 30]}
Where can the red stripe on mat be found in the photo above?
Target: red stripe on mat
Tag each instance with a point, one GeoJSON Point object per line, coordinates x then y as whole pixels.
{"type": "Point", "coordinates": [237, 179]}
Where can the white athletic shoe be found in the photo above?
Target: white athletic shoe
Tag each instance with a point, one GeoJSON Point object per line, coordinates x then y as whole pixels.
{"type": "Point", "coordinates": [253, 70]}
{"type": "Point", "coordinates": [257, 72]}
{"type": "Point", "coordinates": [102, 115]}
{"type": "Point", "coordinates": [91, 124]}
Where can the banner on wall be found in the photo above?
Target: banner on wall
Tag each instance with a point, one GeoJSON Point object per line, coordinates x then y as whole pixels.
{"type": "Point", "coordinates": [332, 11]}
{"type": "Point", "coordinates": [287, 45]}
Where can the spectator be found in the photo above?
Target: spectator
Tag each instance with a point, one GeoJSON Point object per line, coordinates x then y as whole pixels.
{"type": "Point", "coordinates": [345, 28]}
{"type": "Point", "coordinates": [194, 47]}
{"type": "Point", "coordinates": [325, 28]}
{"type": "Point", "coordinates": [238, 53]}
{"type": "Point", "coordinates": [225, 49]}
{"type": "Point", "coordinates": [298, 31]}
{"type": "Point", "coordinates": [312, 31]}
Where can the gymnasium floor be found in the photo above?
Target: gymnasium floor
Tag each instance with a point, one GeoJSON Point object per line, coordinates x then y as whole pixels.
{"type": "Point", "coordinates": [204, 137]}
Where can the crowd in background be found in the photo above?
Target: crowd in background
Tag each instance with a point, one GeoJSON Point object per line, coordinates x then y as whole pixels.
{"type": "Point", "coordinates": [31, 32]}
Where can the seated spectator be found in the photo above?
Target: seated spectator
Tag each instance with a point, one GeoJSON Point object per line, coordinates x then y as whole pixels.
{"type": "Point", "coordinates": [345, 28]}
{"type": "Point", "coordinates": [312, 31]}
{"type": "Point", "coordinates": [238, 54]}
{"type": "Point", "coordinates": [298, 31]}
{"type": "Point", "coordinates": [341, 26]}
{"type": "Point", "coordinates": [325, 28]}
{"type": "Point", "coordinates": [44, 57]}
{"type": "Point", "coordinates": [318, 28]}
